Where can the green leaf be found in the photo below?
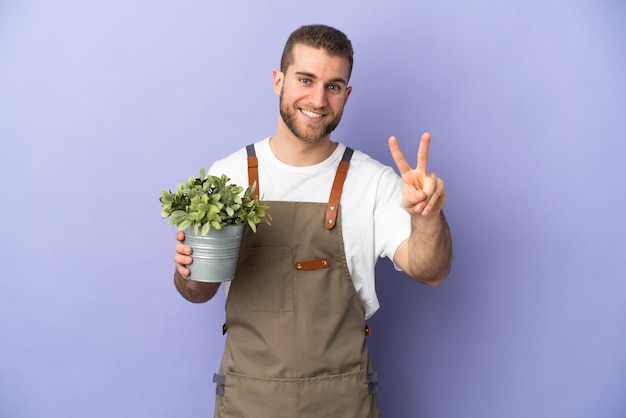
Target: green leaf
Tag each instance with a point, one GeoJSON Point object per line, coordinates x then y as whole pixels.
{"type": "Point", "coordinates": [213, 209]}
{"type": "Point", "coordinates": [209, 201]}
{"type": "Point", "coordinates": [179, 216]}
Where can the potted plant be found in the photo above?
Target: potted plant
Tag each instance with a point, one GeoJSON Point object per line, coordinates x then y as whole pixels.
{"type": "Point", "coordinates": [213, 212]}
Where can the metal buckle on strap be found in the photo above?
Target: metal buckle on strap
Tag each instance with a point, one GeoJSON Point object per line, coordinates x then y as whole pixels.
{"type": "Point", "coordinates": [220, 381]}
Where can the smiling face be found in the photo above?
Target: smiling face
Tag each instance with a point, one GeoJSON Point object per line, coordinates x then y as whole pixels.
{"type": "Point", "coordinates": [313, 92]}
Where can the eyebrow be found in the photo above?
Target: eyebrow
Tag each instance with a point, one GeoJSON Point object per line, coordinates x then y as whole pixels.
{"type": "Point", "coordinates": [313, 76]}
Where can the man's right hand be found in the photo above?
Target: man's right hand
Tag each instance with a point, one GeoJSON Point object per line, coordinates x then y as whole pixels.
{"type": "Point", "coordinates": [183, 255]}
{"type": "Point", "coordinates": [192, 290]}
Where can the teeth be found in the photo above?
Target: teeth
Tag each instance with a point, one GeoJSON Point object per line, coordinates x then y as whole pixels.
{"type": "Point", "coordinates": [311, 114]}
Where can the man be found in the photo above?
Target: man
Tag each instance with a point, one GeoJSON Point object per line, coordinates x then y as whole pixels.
{"type": "Point", "coordinates": [296, 310]}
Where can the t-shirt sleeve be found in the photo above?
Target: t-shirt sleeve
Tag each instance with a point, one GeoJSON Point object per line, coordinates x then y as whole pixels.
{"type": "Point", "coordinates": [234, 166]}
{"type": "Point", "coordinates": [392, 223]}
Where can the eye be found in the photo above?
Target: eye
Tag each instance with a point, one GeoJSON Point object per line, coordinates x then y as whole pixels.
{"type": "Point", "coordinates": [305, 81]}
{"type": "Point", "coordinates": [334, 87]}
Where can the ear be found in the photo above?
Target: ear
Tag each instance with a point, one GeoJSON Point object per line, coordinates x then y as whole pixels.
{"type": "Point", "coordinates": [348, 91]}
{"type": "Point", "coordinates": [277, 84]}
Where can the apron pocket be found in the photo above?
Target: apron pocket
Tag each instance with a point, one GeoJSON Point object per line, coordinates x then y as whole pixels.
{"type": "Point", "coordinates": [247, 396]}
{"type": "Point", "coordinates": [274, 295]}
{"type": "Point", "coordinates": [344, 395]}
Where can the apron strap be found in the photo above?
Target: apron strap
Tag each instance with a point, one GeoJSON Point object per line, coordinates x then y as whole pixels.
{"type": "Point", "coordinates": [335, 192]}
{"type": "Point", "coordinates": [253, 170]}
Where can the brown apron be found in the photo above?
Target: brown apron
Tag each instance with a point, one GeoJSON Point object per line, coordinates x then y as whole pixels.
{"type": "Point", "coordinates": [296, 330]}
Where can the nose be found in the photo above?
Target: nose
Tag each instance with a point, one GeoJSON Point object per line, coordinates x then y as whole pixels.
{"type": "Point", "coordinates": [318, 96]}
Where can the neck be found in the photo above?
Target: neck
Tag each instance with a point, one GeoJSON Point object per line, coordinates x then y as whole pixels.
{"type": "Point", "coordinates": [298, 153]}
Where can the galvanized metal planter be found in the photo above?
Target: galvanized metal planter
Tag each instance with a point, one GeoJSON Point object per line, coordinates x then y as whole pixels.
{"type": "Point", "coordinates": [215, 254]}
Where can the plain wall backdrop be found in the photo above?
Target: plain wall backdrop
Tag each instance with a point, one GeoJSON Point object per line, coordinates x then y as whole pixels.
{"type": "Point", "coordinates": [104, 103]}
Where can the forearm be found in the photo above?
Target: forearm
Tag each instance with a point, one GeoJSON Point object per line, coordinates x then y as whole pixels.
{"type": "Point", "coordinates": [429, 249]}
{"type": "Point", "coordinates": [194, 291]}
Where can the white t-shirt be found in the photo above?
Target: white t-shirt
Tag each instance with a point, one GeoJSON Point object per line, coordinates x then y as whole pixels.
{"type": "Point", "coordinates": [374, 223]}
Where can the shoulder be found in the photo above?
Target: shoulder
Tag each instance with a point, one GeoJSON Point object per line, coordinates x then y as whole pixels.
{"type": "Point", "coordinates": [362, 165]}
{"type": "Point", "coordinates": [235, 165]}
{"type": "Point", "coordinates": [242, 152]}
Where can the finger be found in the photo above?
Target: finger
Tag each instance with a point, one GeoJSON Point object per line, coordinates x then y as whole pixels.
{"type": "Point", "coordinates": [422, 153]}
{"type": "Point", "coordinates": [430, 185]}
{"type": "Point", "coordinates": [180, 236]}
{"type": "Point", "coordinates": [398, 155]}
{"type": "Point", "coordinates": [429, 192]}
{"type": "Point", "coordinates": [183, 249]}
{"type": "Point", "coordinates": [182, 260]}
{"type": "Point", "coordinates": [437, 199]}
{"type": "Point", "coordinates": [183, 271]}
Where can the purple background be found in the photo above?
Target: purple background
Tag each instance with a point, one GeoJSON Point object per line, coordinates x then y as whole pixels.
{"type": "Point", "coordinates": [103, 103]}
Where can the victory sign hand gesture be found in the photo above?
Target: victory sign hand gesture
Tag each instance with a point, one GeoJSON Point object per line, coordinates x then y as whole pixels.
{"type": "Point", "coordinates": [423, 193]}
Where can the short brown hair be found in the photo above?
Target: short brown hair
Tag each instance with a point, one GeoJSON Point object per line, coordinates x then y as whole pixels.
{"type": "Point", "coordinates": [331, 40]}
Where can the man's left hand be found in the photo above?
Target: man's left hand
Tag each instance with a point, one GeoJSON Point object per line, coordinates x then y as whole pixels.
{"type": "Point", "coordinates": [423, 193]}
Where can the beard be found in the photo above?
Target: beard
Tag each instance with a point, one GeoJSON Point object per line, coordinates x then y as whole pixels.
{"type": "Point", "coordinates": [306, 132]}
